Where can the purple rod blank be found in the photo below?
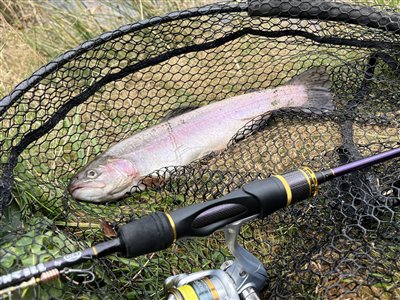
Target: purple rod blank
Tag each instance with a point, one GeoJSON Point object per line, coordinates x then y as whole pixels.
{"type": "Point", "coordinates": [366, 162]}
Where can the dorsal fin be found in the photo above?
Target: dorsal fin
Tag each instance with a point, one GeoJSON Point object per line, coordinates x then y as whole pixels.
{"type": "Point", "coordinates": [178, 111]}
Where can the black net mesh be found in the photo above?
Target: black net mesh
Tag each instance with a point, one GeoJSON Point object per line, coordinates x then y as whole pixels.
{"type": "Point", "coordinates": [344, 243]}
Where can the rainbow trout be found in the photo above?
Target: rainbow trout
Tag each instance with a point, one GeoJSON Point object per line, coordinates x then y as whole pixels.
{"type": "Point", "coordinates": [187, 137]}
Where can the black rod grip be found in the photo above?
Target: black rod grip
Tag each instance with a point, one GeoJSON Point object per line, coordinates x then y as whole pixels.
{"type": "Point", "coordinates": [261, 197]}
{"type": "Point", "coordinates": [325, 10]}
{"type": "Point", "coordinates": [145, 235]}
{"type": "Point", "coordinates": [202, 219]}
{"type": "Point", "coordinates": [270, 193]}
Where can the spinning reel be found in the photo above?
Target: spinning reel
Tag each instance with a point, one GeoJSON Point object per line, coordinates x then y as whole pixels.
{"type": "Point", "coordinates": [241, 278]}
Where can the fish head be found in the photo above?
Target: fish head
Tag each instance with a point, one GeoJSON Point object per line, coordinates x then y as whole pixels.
{"type": "Point", "coordinates": [104, 179]}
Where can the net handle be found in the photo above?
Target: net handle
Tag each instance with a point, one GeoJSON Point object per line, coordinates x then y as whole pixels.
{"type": "Point", "coordinates": [325, 10]}
{"type": "Point", "coordinates": [302, 9]}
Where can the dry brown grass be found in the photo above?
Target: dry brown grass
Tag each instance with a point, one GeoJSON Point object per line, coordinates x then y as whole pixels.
{"type": "Point", "coordinates": [18, 58]}
{"type": "Point", "coordinates": [33, 32]}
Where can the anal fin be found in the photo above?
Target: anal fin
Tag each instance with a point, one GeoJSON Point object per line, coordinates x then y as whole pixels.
{"type": "Point", "coordinates": [255, 125]}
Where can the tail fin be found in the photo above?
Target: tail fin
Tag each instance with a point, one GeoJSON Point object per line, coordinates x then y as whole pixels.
{"type": "Point", "coordinates": [318, 86]}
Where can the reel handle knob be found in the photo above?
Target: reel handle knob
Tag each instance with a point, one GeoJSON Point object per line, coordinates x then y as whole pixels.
{"type": "Point", "coordinates": [249, 294]}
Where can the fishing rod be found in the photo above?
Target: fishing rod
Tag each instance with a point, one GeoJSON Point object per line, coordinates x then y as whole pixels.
{"type": "Point", "coordinates": [159, 230]}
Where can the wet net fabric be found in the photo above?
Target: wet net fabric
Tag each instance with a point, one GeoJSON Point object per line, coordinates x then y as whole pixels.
{"type": "Point", "coordinates": [343, 243]}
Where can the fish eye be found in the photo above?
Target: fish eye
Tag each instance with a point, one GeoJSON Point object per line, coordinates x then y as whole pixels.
{"type": "Point", "coordinates": [91, 174]}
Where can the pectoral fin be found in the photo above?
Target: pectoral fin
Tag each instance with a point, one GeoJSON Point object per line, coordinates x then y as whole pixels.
{"type": "Point", "coordinates": [153, 181]}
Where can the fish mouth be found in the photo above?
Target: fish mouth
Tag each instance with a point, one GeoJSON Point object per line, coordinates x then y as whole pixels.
{"type": "Point", "coordinates": [73, 187]}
